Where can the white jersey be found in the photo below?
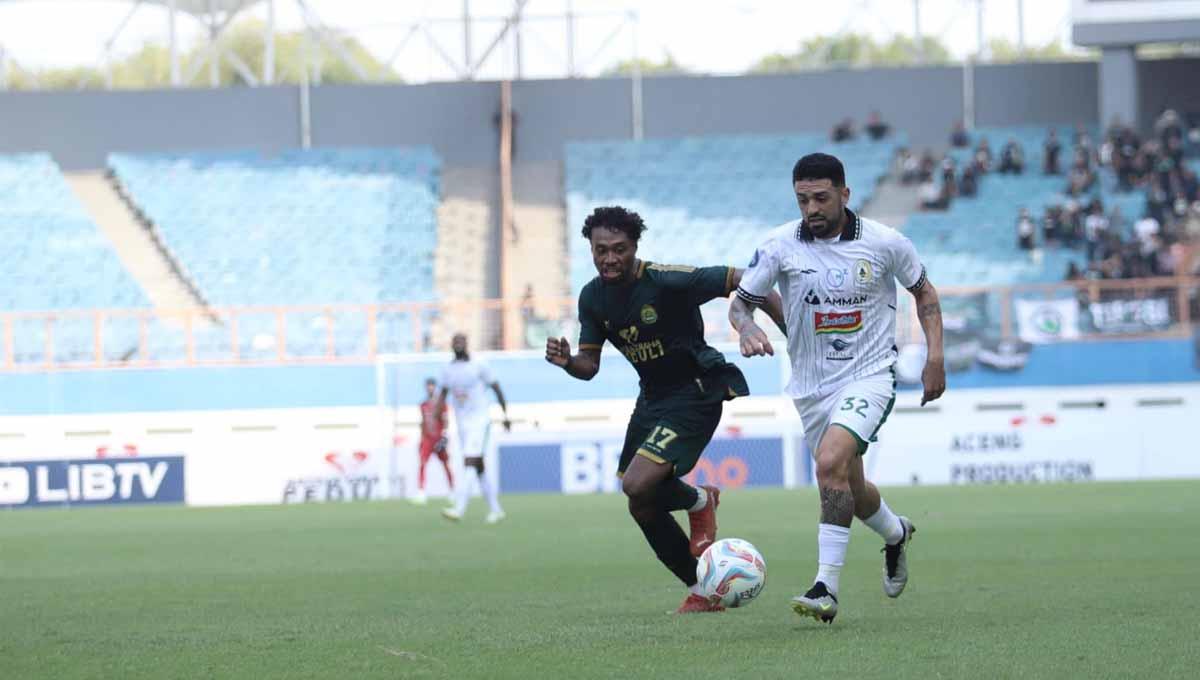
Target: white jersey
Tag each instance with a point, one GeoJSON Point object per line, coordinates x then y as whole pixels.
{"type": "Point", "coordinates": [839, 299]}
{"type": "Point", "coordinates": [468, 382]}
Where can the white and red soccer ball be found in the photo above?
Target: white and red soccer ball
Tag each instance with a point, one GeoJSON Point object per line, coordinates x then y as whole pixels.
{"type": "Point", "coordinates": [731, 572]}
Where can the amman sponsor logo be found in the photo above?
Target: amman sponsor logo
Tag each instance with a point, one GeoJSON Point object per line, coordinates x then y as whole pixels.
{"type": "Point", "coordinates": [812, 298]}
{"type": "Point", "coordinates": [837, 322]}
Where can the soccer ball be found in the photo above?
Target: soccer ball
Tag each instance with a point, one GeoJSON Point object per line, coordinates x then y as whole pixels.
{"type": "Point", "coordinates": [731, 572]}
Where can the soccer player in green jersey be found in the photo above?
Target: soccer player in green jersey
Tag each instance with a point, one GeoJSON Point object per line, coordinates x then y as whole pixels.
{"type": "Point", "coordinates": [651, 313]}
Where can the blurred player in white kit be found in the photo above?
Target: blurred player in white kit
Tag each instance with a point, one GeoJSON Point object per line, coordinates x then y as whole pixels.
{"type": "Point", "coordinates": [465, 381]}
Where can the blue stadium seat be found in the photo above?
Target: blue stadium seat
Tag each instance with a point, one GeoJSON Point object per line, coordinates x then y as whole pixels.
{"type": "Point", "coordinates": [56, 259]}
{"type": "Point", "coordinates": [316, 226]}
{"type": "Point", "coordinates": [706, 200]}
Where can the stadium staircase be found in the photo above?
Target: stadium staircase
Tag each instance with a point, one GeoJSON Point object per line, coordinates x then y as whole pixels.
{"type": "Point", "coordinates": [136, 245]}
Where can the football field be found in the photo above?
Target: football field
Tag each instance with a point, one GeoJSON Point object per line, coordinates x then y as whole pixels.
{"type": "Point", "coordinates": [1091, 581]}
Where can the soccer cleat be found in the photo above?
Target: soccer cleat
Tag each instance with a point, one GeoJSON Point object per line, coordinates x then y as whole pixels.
{"type": "Point", "coordinates": [703, 523]}
{"type": "Point", "coordinates": [452, 514]}
{"type": "Point", "coordinates": [818, 603]}
{"type": "Point", "coordinates": [698, 604]}
{"type": "Point", "coordinates": [895, 564]}
{"type": "Point", "coordinates": [495, 517]}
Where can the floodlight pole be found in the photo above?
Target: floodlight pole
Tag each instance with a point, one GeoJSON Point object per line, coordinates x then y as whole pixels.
{"type": "Point", "coordinates": [635, 96]}
{"type": "Point", "coordinates": [981, 47]}
{"type": "Point", "coordinates": [917, 40]}
{"type": "Point", "coordinates": [214, 71]}
{"type": "Point", "coordinates": [268, 76]}
{"type": "Point", "coordinates": [3, 68]}
{"type": "Point", "coordinates": [1021, 27]}
{"type": "Point", "coordinates": [570, 39]}
{"type": "Point", "coordinates": [467, 60]}
{"type": "Point", "coordinates": [172, 43]}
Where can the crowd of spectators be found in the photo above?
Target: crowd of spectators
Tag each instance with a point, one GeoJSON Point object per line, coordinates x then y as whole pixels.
{"type": "Point", "coordinates": [875, 129]}
{"type": "Point", "coordinates": [1116, 245]}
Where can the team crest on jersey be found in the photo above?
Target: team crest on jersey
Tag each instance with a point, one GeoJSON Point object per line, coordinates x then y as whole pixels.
{"type": "Point", "coordinates": [837, 322]}
{"type": "Point", "coordinates": [835, 278]}
{"type": "Point", "coordinates": [863, 272]}
{"type": "Point", "coordinates": [649, 315]}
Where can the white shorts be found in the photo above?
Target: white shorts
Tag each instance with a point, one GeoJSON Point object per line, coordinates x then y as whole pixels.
{"type": "Point", "coordinates": [861, 407]}
{"type": "Point", "coordinates": [473, 436]}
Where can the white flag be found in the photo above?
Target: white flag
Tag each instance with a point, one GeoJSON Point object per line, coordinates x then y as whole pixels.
{"type": "Point", "coordinates": [1047, 320]}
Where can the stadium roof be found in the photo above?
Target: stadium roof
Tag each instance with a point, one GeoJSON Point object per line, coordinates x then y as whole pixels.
{"type": "Point", "coordinates": [196, 7]}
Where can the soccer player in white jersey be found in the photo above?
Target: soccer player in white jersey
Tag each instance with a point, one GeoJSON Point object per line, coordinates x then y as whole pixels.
{"type": "Point", "coordinates": [466, 380]}
{"type": "Point", "coordinates": [837, 276]}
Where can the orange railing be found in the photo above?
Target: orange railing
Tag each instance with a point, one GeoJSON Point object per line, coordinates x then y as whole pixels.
{"type": "Point", "coordinates": [149, 338]}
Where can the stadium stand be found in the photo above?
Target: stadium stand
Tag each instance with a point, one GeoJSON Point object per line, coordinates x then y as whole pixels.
{"type": "Point", "coordinates": [310, 227]}
{"type": "Point", "coordinates": [55, 260]}
{"type": "Point", "coordinates": [705, 200]}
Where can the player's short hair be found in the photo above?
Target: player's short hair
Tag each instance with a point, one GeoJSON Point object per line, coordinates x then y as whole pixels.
{"type": "Point", "coordinates": [430, 381]}
{"type": "Point", "coordinates": [819, 166]}
{"type": "Point", "coordinates": [616, 218]}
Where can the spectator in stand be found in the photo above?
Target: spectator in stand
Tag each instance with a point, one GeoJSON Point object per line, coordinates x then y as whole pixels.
{"type": "Point", "coordinates": [910, 167]}
{"type": "Point", "coordinates": [1147, 232]}
{"type": "Point", "coordinates": [932, 196]}
{"type": "Point", "coordinates": [983, 157]}
{"type": "Point", "coordinates": [1071, 226]}
{"type": "Point", "coordinates": [949, 180]}
{"type": "Point", "coordinates": [1012, 158]}
{"type": "Point", "coordinates": [1051, 149]}
{"type": "Point", "coordinates": [876, 128]}
{"type": "Point", "coordinates": [969, 184]}
{"type": "Point", "coordinates": [843, 131]}
{"type": "Point", "coordinates": [1095, 229]}
{"type": "Point", "coordinates": [1025, 230]}
{"type": "Point", "coordinates": [1051, 226]}
{"type": "Point", "coordinates": [959, 138]}
{"type": "Point", "coordinates": [1073, 271]}
{"type": "Point", "coordinates": [928, 164]}
{"type": "Point", "coordinates": [1081, 178]}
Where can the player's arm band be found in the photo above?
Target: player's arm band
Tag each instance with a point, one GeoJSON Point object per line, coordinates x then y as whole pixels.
{"type": "Point", "coordinates": [912, 289]}
{"type": "Point", "coordinates": [751, 297]}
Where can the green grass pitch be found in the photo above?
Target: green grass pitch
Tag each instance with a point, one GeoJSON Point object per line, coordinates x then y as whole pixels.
{"type": "Point", "coordinates": [1088, 581]}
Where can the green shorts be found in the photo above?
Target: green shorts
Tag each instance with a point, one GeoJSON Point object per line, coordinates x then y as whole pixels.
{"type": "Point", "coordinates": [675, 427]}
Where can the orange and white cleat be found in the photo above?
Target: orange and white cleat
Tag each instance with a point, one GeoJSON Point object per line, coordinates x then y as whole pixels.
{"type": "Point", "coordinates": [703, 522]}
{"type": "Point", "coordinates": [698, 604]}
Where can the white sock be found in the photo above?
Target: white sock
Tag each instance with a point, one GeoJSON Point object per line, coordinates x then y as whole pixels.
{"type": "Point", "coordinates": [701, 500]}
{"type": "Point", "coordinates": [886, 523]}
{"type": "Point", "coordinates": [464, 489]}
{"type": "Point", "coordinates": [487, 484]}
{"type": "Point", "coordinates": [832, 541]}
{"type": "Point", "coordinates": [695, 589]}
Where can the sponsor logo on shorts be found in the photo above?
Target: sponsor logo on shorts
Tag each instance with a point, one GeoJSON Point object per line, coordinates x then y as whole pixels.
{"type": "Point", "coordinates": [837, 322]}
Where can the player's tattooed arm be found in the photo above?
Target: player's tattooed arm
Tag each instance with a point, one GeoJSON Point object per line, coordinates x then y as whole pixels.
{"type": "Point", "coordinates": [929, 314]}
{"type": "Point", "coordinates": [751, 339]}
{"type": "Point", "coordinates": [837, 507]}
{"type": "Point", "coordinates": [583, 366]}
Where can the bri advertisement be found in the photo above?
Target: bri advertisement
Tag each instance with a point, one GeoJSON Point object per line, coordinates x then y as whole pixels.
{"type": "Point", "coordinates": [91, 481]}
{"type": "Point", "coordinates": [578, 463]}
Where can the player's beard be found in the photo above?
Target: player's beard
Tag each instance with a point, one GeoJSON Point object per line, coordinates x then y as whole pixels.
{"type": "Point", "coordinates": [829, 228]}
{"type": "Point", "coordinates": [460, 356]}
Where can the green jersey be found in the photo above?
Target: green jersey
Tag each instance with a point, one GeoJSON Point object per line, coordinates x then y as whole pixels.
{"type": "Point", "coordinates": [655, 321]}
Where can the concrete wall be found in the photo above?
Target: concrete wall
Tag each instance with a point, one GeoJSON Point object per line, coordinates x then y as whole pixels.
{"type": "Point", "coordinates": [80, 128]}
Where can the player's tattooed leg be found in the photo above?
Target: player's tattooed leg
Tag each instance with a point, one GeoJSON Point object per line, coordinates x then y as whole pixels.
{"type": "Point", "coordinates": [837, 506]}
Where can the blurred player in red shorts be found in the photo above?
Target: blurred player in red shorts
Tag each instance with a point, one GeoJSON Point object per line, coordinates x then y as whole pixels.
{"type": "Point", "coordinates": [433, 439]}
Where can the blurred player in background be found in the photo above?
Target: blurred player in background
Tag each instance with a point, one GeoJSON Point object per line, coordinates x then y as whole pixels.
{"type": "Point", "coordinates": [433, 439]}
{"type": "Point", "coordinates": [837, 273]}
{"type": "Point", "coordinates": [466, 381]}
{"type": "Point", "coordinates": [651, 312]}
